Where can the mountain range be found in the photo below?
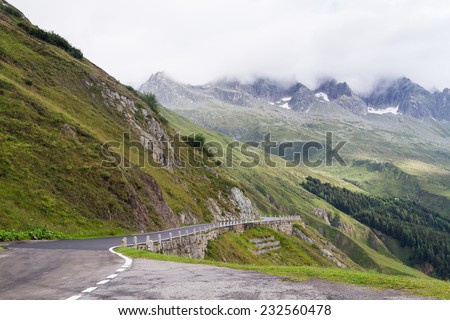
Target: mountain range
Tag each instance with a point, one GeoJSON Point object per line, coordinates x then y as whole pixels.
{"type": "Point", "coordinates": [401, 96]}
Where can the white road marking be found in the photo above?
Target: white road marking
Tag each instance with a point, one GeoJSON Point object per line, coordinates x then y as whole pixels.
{"type": "Point", "coordinates": [104, 281]}
{"type": "Point", "coordinates": [128, 261]}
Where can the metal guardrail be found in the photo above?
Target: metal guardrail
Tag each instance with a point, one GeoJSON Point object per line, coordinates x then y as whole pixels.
{"type": "Point", "coordinates": [205, 229]}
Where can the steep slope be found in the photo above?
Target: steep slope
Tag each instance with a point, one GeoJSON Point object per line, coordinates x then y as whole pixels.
{"type": "Point", "coordinates": [57, 111]}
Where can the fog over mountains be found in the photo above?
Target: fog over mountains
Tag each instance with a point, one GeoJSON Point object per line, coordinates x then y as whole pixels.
{"type": "Point", "coordinates": [396, 97]}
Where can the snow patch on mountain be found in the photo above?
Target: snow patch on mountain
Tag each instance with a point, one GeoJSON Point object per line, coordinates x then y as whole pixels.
{"type": "Point", "coordinates": [393, 110]}
{"type": "Point", "coordinates": [323, 96]}
{"type": "Point", "coordinates": [285, 106]}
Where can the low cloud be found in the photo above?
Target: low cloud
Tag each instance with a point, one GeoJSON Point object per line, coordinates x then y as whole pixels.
{"type": "Point", "coordinates": [197, 41]}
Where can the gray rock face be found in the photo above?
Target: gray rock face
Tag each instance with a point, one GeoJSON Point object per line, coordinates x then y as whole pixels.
{"type": "Point", "coordinates": [247, 208]}
{"type": "Point", "coordinates": [168, 91]}
{"type": "Point", "coordinates": [325, 248]}
{"type": "Point", "coordinates": [68, 130]}
{"type": "Point", "coordinates": [262, 88]}
{"type": "Point", "coordinates": [323, 214]}
{"type": "Point", "coordinates": [334, 90]}
{"type": "Point", "coordinates": [411, 99]}
{"type": "Point", "coordinates": [151, 134]}
{"type": "Point", "coordinates": [352, 103]}
{"type": "Point", "coordinates": [442, 107]}
{"type": "Point", "coordinates": [302, 99]}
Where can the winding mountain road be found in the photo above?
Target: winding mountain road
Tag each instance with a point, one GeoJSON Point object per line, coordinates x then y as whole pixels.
{"type": "Point", "coordinates": [64, 268]}
{"type": "Point", "coordinates": [86, 269]}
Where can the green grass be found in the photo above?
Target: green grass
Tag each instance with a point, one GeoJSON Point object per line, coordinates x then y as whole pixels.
{"type": "Point", "coordinates": [237, 248]}
{"type": "Point", "coordinates": [418, 286]}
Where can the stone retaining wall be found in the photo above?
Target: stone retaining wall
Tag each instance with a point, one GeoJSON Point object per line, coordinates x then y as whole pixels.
{"type": "Point", "coordinates": [195, 245]}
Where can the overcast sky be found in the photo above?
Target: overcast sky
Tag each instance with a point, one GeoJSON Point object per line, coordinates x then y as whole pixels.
{"type": "Point", "coordinates": [197, 41]}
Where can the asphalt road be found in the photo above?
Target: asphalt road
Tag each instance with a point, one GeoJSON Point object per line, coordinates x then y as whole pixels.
{"type": "Point", "coordinates": [150, 279]}
{"type": "Point", "coordinates": [61, 269]}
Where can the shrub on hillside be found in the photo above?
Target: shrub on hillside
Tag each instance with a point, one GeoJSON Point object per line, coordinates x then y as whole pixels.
{"type": "Point", "coordinates": [8, 9]}
{"type": "Point", "coordinates": [151, 101]}
{"type": "Point", "coordinates": [34, 233]}
{"type": "Point", "coordinates": [51, 38]}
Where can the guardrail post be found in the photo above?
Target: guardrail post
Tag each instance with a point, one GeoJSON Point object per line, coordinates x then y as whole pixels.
{"type": "Point", "coordinates": [150, 246]}
{"type": "Point", "coordinates": [179, 234]}
{"type": "Point", "coordinates": [123, 243]}
{"type": "Point", "coordinates": [195, 232]}
{"type": "Point", "coordinates": [170, 236]}
{"type": "Point", "coordinates": [147, 242]}
{"type": "Point", "coordinates": [187, 232]}
{"type": "Point", "coordinates": [135, 242]}
{"type": "Point", "coordinates": [160, 238]}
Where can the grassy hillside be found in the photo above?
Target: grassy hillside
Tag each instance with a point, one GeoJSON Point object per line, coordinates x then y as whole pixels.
{"type": "Point", "coordinates": [57, 110]}
{"type": "Point", "coordinates": [293, 251]}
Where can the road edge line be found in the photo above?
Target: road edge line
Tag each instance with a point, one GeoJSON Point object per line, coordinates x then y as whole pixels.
{"type": "Point", "coordinates": [127, 264]}
{"type": "Point", "coordinates": [128, 261]}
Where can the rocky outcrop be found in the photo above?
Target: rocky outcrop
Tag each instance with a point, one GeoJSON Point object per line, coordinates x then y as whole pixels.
{"type": "Point", "coordinates": [141, 120]}
{"type": "Point", "coordinates": [69, 131]}
{"type": "Point", "coordinates": [324, 215]}
{"type": "Point", "coordinates": [353, 104]}
{"type": "Point", "coordinates": [333, 221]}
{"type": "Point", "coordinates": [246, 208]}
{"type": "Point", "coordinates": [302, 99]}
{"type": "Point", "coordinates": [326, 249]}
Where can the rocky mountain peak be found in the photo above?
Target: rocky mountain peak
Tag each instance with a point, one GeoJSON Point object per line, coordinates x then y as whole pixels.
{"type": "Point", "coordinates": [334, 90]}
{"type": "Point", "coordinates": [409, 97]}
{"type": "Point", "coordinates": [260, 88]}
